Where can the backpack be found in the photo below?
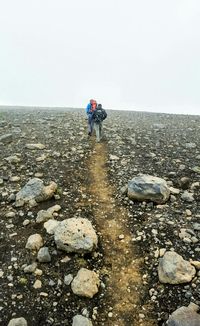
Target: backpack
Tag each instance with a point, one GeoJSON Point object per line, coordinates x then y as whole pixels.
{"type": "Point", "coordinates": [99, 115]}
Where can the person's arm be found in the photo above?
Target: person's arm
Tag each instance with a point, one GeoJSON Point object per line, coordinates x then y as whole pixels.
{"type": "Point", "coordinates": [88, 108]}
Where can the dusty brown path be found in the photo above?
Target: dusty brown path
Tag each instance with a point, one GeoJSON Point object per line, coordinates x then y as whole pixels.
{"type": "Point", "coordinates": [124, 287]}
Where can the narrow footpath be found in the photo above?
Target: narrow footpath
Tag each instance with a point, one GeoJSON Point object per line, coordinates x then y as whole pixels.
{"type": "Point", "coordinates": [124, 290]}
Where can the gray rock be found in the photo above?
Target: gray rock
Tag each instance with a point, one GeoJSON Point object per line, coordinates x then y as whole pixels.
{"type": "Point", "coordinates": [80, 320]}
{"type": "Point", "coordinates": [184, 316]}
{"type": "Point", "coordinates": [146, 187]}
{"type": "Point", "coordinates": [6, 139]}
{"type": "Point", "coordinates": [68, 279]}
{"type": "Point", "coordinates": [18, 322]}
{"type": "Point", "coordinates": [86, 283]}
{"type": "Point", "coordinates": [187, 196]}
{"type": "Point", "coordinates": [43, 255]}
{"type": "Point", "coordinates": [75, 235]}
{"type": "Point", "coordinates": [35, 190]}
{"type": "Point", "coordinates": [196, 226]}
{"type": "Point", "coordinates": [190, 145]}
{"type": "Point", "coordinates": [43, 216]}
{"type": "Point", "coordinates": [30, 268]}
{"type": "Point", "coordinates": [13, 159]}
{"type": "Point", "coordinates": [173, 269]}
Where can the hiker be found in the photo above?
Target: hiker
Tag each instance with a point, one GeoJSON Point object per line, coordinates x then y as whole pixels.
{"type": "Point", "coordinates": [91, 107]}
{"type": "Point", "coordinates": [98, 116]}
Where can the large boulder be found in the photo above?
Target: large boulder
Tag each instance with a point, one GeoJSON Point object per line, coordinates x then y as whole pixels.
{"type": "Point", "coordinates": [75, 235]}
{"type": "Point", "coordinates": [185, 316]}
{"type": "Point", "coordinates": [35, 190]}
{"type": "Point", "coordinates": [86, 283]}
{"type": "Point", "coordinates": [147, 187]}
{"type": "Point", "coordinates": [173, 269]}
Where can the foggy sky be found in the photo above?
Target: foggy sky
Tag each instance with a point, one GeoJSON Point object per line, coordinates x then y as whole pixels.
{"type": "Point", "coordinates": [127, 54]}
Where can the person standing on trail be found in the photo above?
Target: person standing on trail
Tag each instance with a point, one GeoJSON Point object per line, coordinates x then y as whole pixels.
{"type": "Point", "coordinates": [98, 116]}
{"type": "Point", "coordinates": [91, 107]}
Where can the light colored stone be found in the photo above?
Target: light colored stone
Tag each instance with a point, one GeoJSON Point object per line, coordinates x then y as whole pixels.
{"type": "Point", "coordinates": [86, 283]}
{"type": "Point", "coordinates": [187, 196]}
{"type": "Point", "coordinates": [18, 322]}
{"type": "Point", "coordinates": [51, 225]}
{"type": "Point", "coordinates": [30, 268]}
{"type": "Point", "coordinates": [34, 242]}
{"type": "Point", "coordinates": [75, 235]}
{"type": "Point", "coordinates": [13, 159]}
{"type": "Point", "coordinates": [68, 279]}
{"type": "Point", "coordinates": [53, 209]}
{"type": "Point", "coordinates": [147, 187]}
{"type": "Point", "coordinates": [37, 284]}
{"type": "Point", "coordinates": [35, 146]}
{"type": "Point", "coordinates": [6, 139]}
{"type": "Point", "coordinates": [43, 216]}
{"type": "Point", "coordinates": [173, 269]}
{"type": "Point", "coordinates": [80, 320]}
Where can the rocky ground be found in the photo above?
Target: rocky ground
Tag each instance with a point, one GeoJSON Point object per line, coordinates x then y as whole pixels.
{"type": "Point", "coordinates": [91, 182]}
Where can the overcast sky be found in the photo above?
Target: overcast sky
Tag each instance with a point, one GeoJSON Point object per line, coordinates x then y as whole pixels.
{"type": "Point", "coordinates": [127, 54]}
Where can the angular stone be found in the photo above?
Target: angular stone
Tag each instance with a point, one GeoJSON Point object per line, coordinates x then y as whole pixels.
{"type": "Point", "coordinates": [86, 283]}
{"type": "Point", "coordinates": [75, 235]}
{"type": "Point", "coordinates": [51, 226]}
{"type": "Point", "coordinates": [173, 269]}
{"type": "Point", "coordinates": [34, 242]}
{"type": "Point", "coordinates": [184, 316]}
{"type": "Point", "coordinates": [43, 216]}
{"type": "Point", "coordinates": [35, 190]}
{"type": "Point", "coordinates": [43, 255]}
{"type": "Point", "coordinates": [187, 196]}
{"type": "Point", "coordinates": [146, 187]}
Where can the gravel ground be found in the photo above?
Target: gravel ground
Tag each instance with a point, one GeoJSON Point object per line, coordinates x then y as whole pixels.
{"type": "Point", "coordinates": [157, 144]}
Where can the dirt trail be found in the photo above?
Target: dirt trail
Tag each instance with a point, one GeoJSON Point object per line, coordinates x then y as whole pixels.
{"type": "Point", "coordinates": [124, 287]}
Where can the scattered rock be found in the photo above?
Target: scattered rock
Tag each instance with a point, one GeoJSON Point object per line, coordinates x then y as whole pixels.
{"type": "Point", "coordinates": [43, 255]}
{"type": "Point", "coordinates": [184, 316]}
{"type": "Point", "coordinates": [187, 196]}
{"type": "Point", "coordinates": [6, 139]}
{"type": "Point", "coordinates": [51, 225]}
{"type": "Point", "coordinates": [35, 242]}
{"type": "Point", "coordinates": [80, 320]}
{"type": "Point", "coordinates": [35, 146]}
{"type": "Point", "coordinates": [173, 269]}
{"type": "Point", "coordinates": [35, 190]}
{"type": "Point", "coordinates": [146, 187]}
{"type": "Point", "coordinates": [18, 322]}
{"type": "Point", "coordinates": [75, 235]}
{"type": "Point", "coordinates": [86, 283]}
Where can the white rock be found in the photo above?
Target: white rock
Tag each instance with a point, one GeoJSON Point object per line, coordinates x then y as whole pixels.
{"type": "Point", "coordinates": [75, 235]}
{"type": "Point", "coordinates": [80, 320]}
{"type": "Point", "coordinates": [37, 284]}
{"type": "Point", "coordinates": [35, 146]}
{"type": "Point", "coordinates": [51, 226]}
{"type": "Point", "coordinates": [18, 322]}
{"type": "Point", "coordinates": [85, 283]}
